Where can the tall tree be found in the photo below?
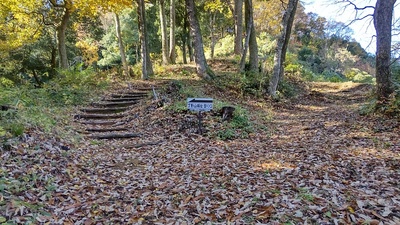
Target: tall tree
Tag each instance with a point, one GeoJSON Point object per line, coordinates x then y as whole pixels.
{"type": "Point", "coordinates": [238, 27]}
{"type": "Point", "coordinates": [172, 53]}
{"type": "Point", "coordinates": [147, 67]}
{"type": "Point", "coordinates": [383, 16]}
{"type": "Point", "coordinates": [121, 45]}
{"type": "Point", "coordinates": [253, 47]}
{"type": "Point", "coordinates": [282, 45]}
{"type": "Point", "coordinates": [164, 36]}
{"type": "Point", "coordinates": [67, 7]}
{"type": "Point", "coordinates": [202, 68]}
{"type": "Point", "coordinates": [251, 39]}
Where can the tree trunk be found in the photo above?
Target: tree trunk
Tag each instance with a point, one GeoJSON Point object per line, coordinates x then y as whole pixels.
{"type": "Point", "coordinates": [172, 53]}
{"type": "Point", "coordinates": [184, 55]}
{"type": "Point", "coordinates": [164, 36]}
{"type": "Point", "coordinates": [121, 46]}
{"type": "Point", "coordinates": [213, 16]}
{"type": "Point", "coordinates": [249, 24]}
{"type": "Point", "coordinates": [253, 48]}
{"type": "Point", "coordinates": [238, 27]}
{"type": "Point", "coordinates": [53, 61]}
{"type": "Point", "coordinates": [147, 68]}
{"type": "Point", "coordinates": [202, 68]}
{"type": "Point", "coordinates": [281, 47]}
{"type": "Point", "coordinates": [383, 25]}
{"type": "Point", "coordinates": [62, 48]}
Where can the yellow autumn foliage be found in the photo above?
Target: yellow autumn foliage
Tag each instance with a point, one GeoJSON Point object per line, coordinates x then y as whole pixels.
{"type": "Point", "coordinates": [18, 26]}
{"type": "Point", "coordinates": [89, 51]}
{"type": "Point", "coordinates": [21, 21]}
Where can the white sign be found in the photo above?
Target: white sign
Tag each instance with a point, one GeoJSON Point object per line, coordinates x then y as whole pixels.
{"type": "Point", "coordinates": [200, 104]}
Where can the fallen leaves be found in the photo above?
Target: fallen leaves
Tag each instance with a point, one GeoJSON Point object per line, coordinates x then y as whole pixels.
{"type": "Point", "coordinates": [321, 165]}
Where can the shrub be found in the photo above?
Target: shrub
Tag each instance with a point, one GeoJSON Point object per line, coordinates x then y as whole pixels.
{"type": "Point", "coordinates": [44, 107]}
{"type": "Point", "coordinates": [7, 83]}
{"type": "Point", "coordinates": [332, 76]}
{"type": "Point", "coordinates": [240, 126]}
{"type": "Point", "coordinates": [359, 76]}
{"type": "Point", "coordinates": [224, 46]}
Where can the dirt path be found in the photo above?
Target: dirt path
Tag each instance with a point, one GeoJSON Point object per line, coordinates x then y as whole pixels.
{"type": "Point", "coordinates": [319, 163]}
{"type": "Point", "coordinates": [330, 152]}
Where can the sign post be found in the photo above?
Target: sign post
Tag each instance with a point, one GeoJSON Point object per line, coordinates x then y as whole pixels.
{"type": "Point", "coordinates": [200, 105]}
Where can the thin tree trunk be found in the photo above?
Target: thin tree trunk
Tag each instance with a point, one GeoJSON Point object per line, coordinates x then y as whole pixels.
{"type": "Point", "coordinates": [147, 68]}
{"type": "Point", "coordinates": [184, 55]}
{"type": "Point", "coordinates": [190, 48]}
{"type": "Point", "coordinates": [238, 27]}
{"type": "Point", "coordinates": [242, 63]}
{"type": "Point", "coordinates": [62, 48]}
{"type": "Point", "coordinates": [281, 47]}
{"type": "Point", "coordinates": [202, 68]}
{"type": "Point", "coordinates": [253, 48]}
{"type": "Point", "coordinates": [53, 61]}
{"type": "Point", "coordinates": [213, 39]}
{"type": "Point", "coordinates": [121, 46]}
{"type": "Point", "coordinates": [164, 36]}
{"type": "Point", "coordinates": [383, 25]}
{"type": "Point", "coordinates": [188, 39]}
{"type": "Point", "coordinates": [172, 52]}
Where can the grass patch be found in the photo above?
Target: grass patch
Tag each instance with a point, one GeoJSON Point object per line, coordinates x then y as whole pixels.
{"type": "Point", "coordinates": [240, 126]}
{"type": "Point", "coordinates": [46, 108]}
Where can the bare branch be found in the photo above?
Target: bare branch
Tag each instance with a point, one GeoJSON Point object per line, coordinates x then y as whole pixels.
{"type": "Point", "coordinates": [358, 19]}
{"type": "Point", "coordinates": [350, 3]}
{"type": "Point", "coordinates": [394, 60]}
{"type": "Point", "coordinates": [371, 40]}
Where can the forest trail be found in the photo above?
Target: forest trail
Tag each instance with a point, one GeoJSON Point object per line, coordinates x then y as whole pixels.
{"type": "Point", "coordinates": [319, 162]}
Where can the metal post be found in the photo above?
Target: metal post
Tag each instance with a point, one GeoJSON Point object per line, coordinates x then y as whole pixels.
{"type": "Point", "coordinates": [199, 117]}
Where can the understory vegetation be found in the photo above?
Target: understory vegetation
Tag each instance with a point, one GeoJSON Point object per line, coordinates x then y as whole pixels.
{"type": "Point", "coordinates": [47, 108]}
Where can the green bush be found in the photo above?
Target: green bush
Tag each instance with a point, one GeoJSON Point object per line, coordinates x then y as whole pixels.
{"type": "Point", "coordinates": [224, 46]}
{"type": "Point", "coordinates": [7, 83]}
{"type": "Point", "coordinates": [364, 78]}
{"type": "Point", "coordinates": [308, 75]}
{"type": "Point", "coordinates": [358, 76]}
{"type": "Point", "coordinates": [393, 106]}
{"type": "Point", "coordinates": [240, 126]}
{"type": "Point", "coordinates": [45, 107]}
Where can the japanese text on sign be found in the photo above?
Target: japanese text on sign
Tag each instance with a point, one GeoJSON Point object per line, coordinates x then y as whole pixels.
{"type": "Point", "coordinates": [200, 104]}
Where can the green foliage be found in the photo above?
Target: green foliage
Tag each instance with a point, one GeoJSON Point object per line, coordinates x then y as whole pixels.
{"type": "Point", "coordinates": [364, 78]}
{"type": "Point", "coordinates": [110, 55]}
{"type": "Point", "coordinates": [45, 107]}
{"type": "Point", "coordinates": [252, 83]}
{"type": "Point", "coordinates": [243, 83]}
{"type": "Point", "coordinates": [239, 127]}
{"type": "Point", "coordinates": [268, 44]}
{"type": "Point", "coordinates": [287, 89]}
{"type": "Point", "coordinates": [393, 106]}
{"type": "Point", "coordinates": [78, 77]}
{"type": "Point", "coordinates": [5, 82]}
{"type": "Point", "coordinates": [224, 46]}
{"type": "Point", "coordinates": [359, 76]}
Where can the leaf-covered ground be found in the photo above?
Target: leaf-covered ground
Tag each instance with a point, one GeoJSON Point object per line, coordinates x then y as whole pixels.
{"type": "Point", "coordinates": [318, 162]}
